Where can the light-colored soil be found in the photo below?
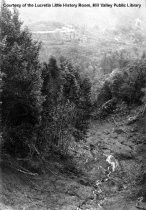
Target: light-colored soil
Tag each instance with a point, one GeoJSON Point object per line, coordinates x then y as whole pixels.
{"type": "Point", "coordinates": [60, 189]}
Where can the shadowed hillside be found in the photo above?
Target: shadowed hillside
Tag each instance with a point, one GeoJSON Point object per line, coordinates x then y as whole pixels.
{"type": "Point", "coordinates": [73, 115]}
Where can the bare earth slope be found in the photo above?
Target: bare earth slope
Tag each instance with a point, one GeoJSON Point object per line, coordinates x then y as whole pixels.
{"type": "Point", "coordinates": [97, 187]}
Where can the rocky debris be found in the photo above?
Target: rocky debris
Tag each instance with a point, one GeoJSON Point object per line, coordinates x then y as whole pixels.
{"type": "Point", "coordinates": [121, 139]}
{"type": "Point", "coordinates": [4, 207]}
{"type": "Point", "coordinates": [106, 151]}
{"type": "Point", "coordinates": [112, 161]}
{"type": "Point", "coordinates": [106, 131]}
{"type": "Point", "coordinates": [123, 152]}
{"type": "Point", "coordinates": [134, 129]}
{"type": "Point", "coordinates": [84, 192]}
{"type": "Point", "coordinates": [141, 205]}
{"type": "Point", "coordinates": [113, 135]}
{"type": "Point", "coordinates": [122, 155]}
{"type": "Point", "coordinates": [130, 144]}
{"type": "Point", "coordinates": [131, 120]}
{"type": "Point", "coordinates": [119, 130]}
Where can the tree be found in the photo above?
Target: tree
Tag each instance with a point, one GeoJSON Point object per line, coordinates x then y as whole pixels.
{"type": "Point", "coordinates": [78, 91]}
{"type": "Point", "coordinates": [66, 108]}
{"type": "Point", "coordinates": [21, 96]}
{"type": "Point", "coordinates": [57, 109]}
{"type": "Point", "coordinates": [1, 83]}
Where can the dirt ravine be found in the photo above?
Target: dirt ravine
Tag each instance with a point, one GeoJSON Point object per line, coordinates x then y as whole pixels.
{"type": "Point", "coordinates": [98, 187]}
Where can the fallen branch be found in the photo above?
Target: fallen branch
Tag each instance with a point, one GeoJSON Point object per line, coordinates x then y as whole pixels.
{"type": "Point", "coordinates": [137, 116]}
{"type": "Point", "coordinates": [26, 172]}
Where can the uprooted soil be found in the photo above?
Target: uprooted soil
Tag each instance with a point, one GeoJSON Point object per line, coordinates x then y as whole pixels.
{"type": "Point", "coordinates": [88, 185]}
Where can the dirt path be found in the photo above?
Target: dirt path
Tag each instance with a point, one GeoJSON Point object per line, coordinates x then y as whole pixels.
{"type": "Point", "coordinates": [95, 188]}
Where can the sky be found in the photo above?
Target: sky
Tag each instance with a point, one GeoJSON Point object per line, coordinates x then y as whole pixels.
{"type": "Point", "coordinates": [80, 16]}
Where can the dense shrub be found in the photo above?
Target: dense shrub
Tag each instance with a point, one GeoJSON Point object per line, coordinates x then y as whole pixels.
{"type": "Point", "coordinates": [66, 108]}
{"type": "Point", "coordinates": [124, 84]}
{"type": "Point", "coordinates": [78, 91]}
{"type": "Point", "coordinates": [136, 79]}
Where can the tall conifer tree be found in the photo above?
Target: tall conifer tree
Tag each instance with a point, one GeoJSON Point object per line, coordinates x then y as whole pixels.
{"type": "Point", "coordinates": [21, 95]}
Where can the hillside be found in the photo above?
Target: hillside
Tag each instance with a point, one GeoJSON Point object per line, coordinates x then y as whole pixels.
{"type": "Point", "coordinates": [73, 115]}
{"type": "Point", "coordinates": [70, 40]}
{"type": "Point", "coordinates": [66, 188]}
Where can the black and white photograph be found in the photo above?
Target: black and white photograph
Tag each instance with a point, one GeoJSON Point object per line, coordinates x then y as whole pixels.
{"type": "Point", "coordinates": [72, 104]}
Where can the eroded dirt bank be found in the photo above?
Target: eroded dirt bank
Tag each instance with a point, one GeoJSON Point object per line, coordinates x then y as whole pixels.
{"type": "Point", "coordinates": [97, 186]}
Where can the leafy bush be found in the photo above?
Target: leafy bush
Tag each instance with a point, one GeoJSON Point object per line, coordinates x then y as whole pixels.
{"type": "Point", "coordinates": [124, 84]}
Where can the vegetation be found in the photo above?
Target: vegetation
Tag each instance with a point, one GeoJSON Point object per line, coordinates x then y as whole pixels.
{"type": "Point", "coordinates": [21, 95]}
{"type": "Point", "coordinates": [67, 102]}
{"type": "Point", "coordinates": [125, 84]}
{"type": "Point", "coordinates": [43, 105]}
{"type": "Point", "coordinates": [46, 105]}
{"type": "Point", "coordinates": [47, 108]}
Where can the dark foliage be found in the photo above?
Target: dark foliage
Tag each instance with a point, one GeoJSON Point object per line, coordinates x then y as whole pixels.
{"type": "Point", "coordinates": [123, 85]}
{"type": "Point", "coordinates": [43, 105]}
{"type": "Point", "coordinates": [66, 109]}
{"type": "Point", "coordinates": [21, 95]}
